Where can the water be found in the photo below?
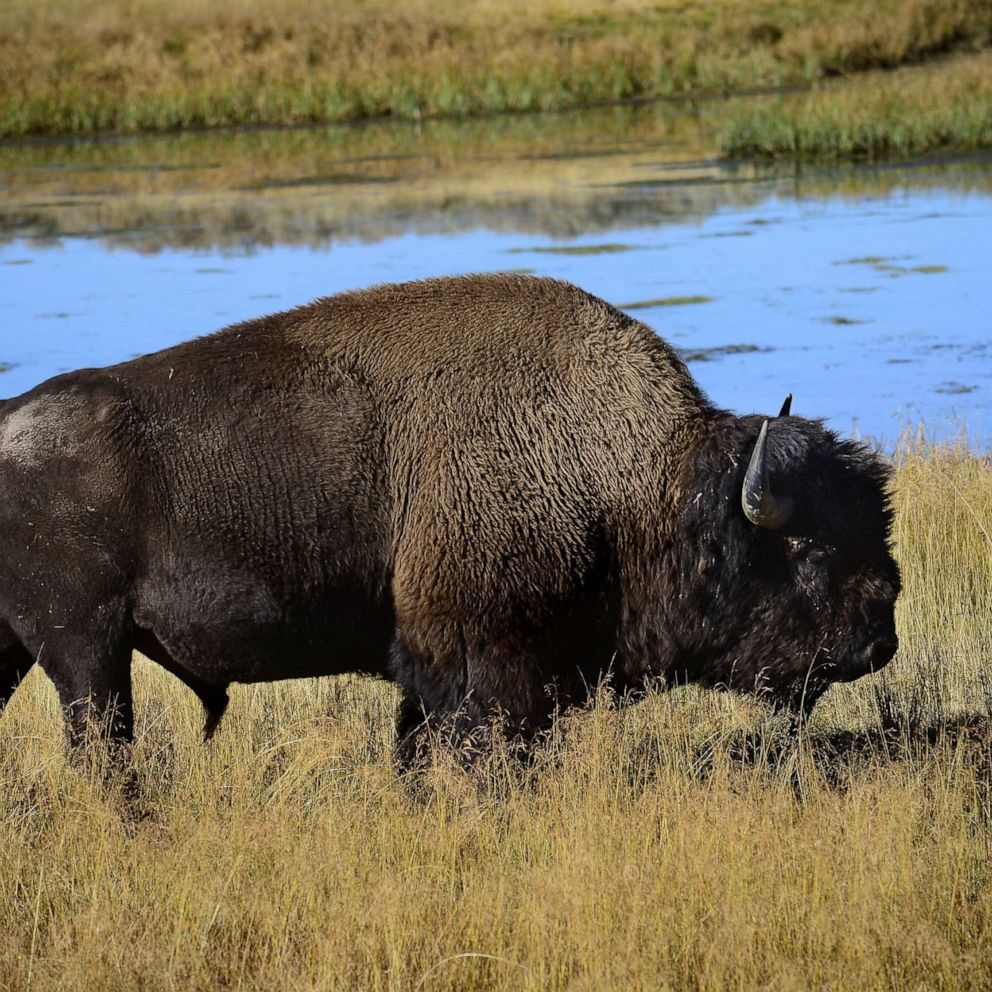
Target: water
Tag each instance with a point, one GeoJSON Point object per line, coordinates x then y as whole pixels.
{"type": "Point", "coordinates": [867, 297]}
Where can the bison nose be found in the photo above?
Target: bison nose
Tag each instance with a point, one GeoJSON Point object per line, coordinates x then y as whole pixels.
{"type": "Point", "coordinates": [880, 653]}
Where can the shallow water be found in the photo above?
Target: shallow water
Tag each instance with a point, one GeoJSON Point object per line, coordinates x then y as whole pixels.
{"type": "Point", "coordinates": [865, 292]}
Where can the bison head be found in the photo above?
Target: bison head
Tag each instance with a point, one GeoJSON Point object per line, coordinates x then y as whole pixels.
{"type": "Point", "coordinates": [786, 582]}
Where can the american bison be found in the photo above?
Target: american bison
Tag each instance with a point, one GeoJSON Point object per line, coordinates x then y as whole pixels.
{"type": "Point", "coordinates": [489, 489]}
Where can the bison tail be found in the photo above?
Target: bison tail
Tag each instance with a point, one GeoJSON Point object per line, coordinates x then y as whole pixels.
{"type": "Point", "coordinates": [214, 704]}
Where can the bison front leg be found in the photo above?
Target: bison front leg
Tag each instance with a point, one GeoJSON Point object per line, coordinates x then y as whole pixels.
{"type": "Point", "coordinates": [798, 700]}
{"type": "Point", "coordinates": [93, 679]}
{"type": "Point", "coordinates": [458, 698]}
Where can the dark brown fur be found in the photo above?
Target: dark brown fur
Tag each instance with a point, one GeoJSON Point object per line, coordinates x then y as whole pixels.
{"type": "Point", "coordinates": [492, 489]}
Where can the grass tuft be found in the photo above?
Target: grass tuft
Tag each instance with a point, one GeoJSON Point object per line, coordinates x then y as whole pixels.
{"type": "Point", "coordinates": [943, 107]}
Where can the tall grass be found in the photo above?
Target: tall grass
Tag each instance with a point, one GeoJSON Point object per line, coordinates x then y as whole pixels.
{"type": "Point", "coordinates": [644, 849]}
{"type": "Point", "coordinates": [948, 106]}
{"type": "Point", "coordinates": [161, 64]}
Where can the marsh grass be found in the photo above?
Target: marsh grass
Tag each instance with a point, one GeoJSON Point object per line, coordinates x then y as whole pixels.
{"type": "Point", "coordinates": [151, 64]}
{"type": "Point", "coordinates": [677, 843]}
{"type": "Point", "coordinates": [941, 107]}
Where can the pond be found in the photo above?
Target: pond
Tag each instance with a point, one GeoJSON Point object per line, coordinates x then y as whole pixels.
{"type": "Point", "coordinates": [865, 290]}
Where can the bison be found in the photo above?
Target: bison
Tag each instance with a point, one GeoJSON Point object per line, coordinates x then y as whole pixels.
{"type": "Point", "coordinates": [492, 490]}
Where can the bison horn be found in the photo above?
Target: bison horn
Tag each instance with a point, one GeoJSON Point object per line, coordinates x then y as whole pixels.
{"type": "Point", "coordinates": [786, 406]}
{"type": "Point", "coordinates": [759, 504]}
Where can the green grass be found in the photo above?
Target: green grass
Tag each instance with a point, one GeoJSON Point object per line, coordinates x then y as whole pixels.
{"type": "Point", "coordinates": [943, 107]}
{"type": "Point", "coordinates": [665, 301]}
{"type": "Point", "coordinates": [152, 65]}
{"type": "Point", "coordinates": [604, 249]}
{"type": "Point", "coordinates": [648, 848]}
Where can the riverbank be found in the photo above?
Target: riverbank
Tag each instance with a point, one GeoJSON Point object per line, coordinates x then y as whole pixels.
{"type": "Point", "coordinates": [152, 65]}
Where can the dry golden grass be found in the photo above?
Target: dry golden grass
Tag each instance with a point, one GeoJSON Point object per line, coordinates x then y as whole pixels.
{"type": "Point", "coordinates": [643, 851]}
{"type": "Point", "coordinates": [154, 64]}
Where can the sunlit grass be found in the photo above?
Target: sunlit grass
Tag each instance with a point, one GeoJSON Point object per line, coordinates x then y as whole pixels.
{"type": "Point", "coordinates": [948, 106]}
{"type": "Point", "coordinates": [150, 64]}
{"type": "Point", "coordinates": [641, 851]}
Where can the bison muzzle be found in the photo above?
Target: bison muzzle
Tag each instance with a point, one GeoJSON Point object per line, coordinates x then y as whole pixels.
{"type": "Point", "coordinates": [493, 490]}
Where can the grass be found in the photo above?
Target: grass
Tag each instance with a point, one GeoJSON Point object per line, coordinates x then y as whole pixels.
{"type": "Point", "coordinates": [604, 249]}
{"type": "Point", "coordinates": [665, 301]}
{"type": "Point", "coordinates": [152, 65]}
{"type": "Point", "coordinates": [645, 849]}
{"type": "Point", "coordinates": [942, 107]}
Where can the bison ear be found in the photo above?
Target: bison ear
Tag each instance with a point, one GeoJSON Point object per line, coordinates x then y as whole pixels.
{"type": "Point", "coordinates": [760, 505]}
{"type": "Point", "coordinates": [786, 406]}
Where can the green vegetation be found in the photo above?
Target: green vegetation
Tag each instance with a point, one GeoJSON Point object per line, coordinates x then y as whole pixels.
{"type": "Point", "coordinates": [607, 249]}
{"type": "Point", "coordinates": [665, 301]}
{"type": "Point", "coordinates": [946, 106]}
{"type": "Point", "coordinates": [162, 64]}
{"type": "Point", "coordinates": [649, 847]}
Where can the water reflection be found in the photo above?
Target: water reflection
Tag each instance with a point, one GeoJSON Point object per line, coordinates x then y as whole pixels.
{"type": "Point", "coordinates": [563, 175]}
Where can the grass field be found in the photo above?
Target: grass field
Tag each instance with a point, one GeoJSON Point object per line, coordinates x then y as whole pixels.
{"type": "Point", "coordinates": [644, 851]}
{"type": "Point", "coordinates": [163, 64]}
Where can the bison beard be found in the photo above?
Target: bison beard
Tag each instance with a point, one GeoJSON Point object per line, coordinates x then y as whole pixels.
{"type": "Point", "coordinates": [490, 489]}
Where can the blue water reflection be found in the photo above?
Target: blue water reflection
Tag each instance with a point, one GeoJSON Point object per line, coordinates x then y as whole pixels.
{"type": "Point", "coordinates": [874, 312]}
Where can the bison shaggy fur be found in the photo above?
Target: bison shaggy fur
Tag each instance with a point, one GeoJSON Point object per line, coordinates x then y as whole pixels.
{"type": "Point", "coordinates": [493, 490]}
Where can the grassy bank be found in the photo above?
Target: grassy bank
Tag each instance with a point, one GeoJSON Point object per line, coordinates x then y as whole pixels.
{"type": "Point", "coordinates": [946, 107]}
{"type": "Point", "coordinates": [152, 64]}
{"type": "Point", "coordinates": [642, 853]}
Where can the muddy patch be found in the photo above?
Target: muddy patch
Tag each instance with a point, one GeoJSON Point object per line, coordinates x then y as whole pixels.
{"type": "Point", "coordinates": [838, 320]}
{"type": "Point", "coordinates": [729, 234]}
{"type": "Point", "coordinates": [720, 351]}
{"type": "Point", "coordinates": [889, 264]}
{"type": "Point", "coordinates": [873, 260]}
{"type": "Point", "coordinates": [607, 249]}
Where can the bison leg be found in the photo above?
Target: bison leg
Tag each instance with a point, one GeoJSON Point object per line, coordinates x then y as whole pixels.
{"type": "Point", "coordinates": [15, 663]}
{"type": "Point", "coordinates": [412, 727]}
{"type": "Point", "coordinates": [460, 699]}
{"type": "Point", "coordinates": [94, 686]}
{"type": "Point", "coordinates": [797, 702]}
